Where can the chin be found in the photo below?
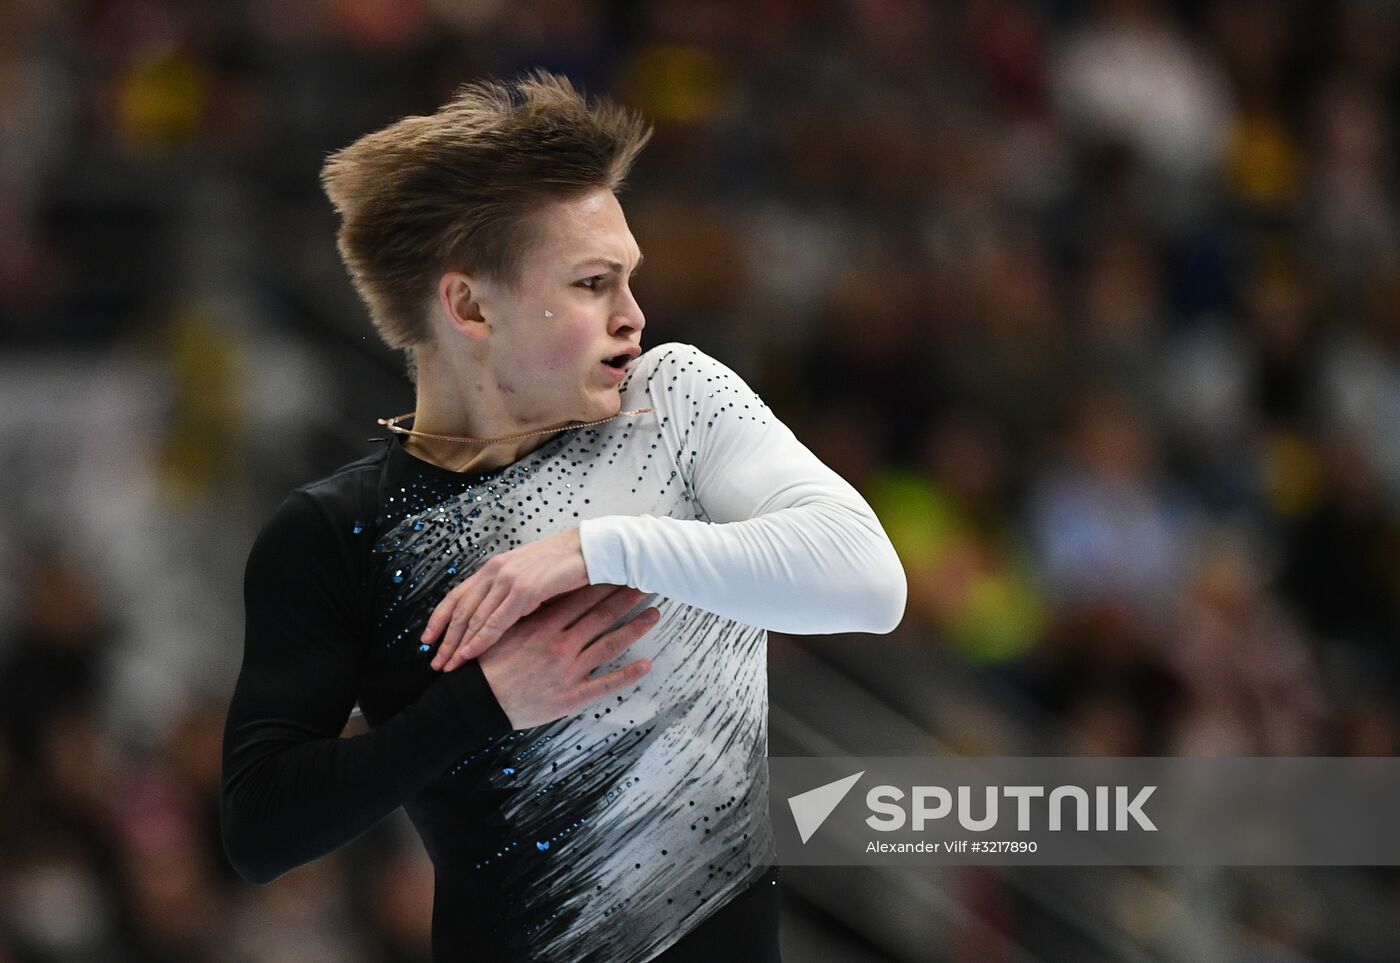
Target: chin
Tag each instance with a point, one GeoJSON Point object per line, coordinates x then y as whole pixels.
{"type": "Point", "coordinates": [599, 406]}
{"type": "Point", "coordinates": [610, 405]}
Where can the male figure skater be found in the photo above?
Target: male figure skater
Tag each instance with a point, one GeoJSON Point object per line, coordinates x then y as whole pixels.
{"type": "Point", "coordinates": [585, 791]}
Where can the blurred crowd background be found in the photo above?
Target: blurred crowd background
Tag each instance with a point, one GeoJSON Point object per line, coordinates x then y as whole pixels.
{"type": "Point", "coordinates": [1098, 303]}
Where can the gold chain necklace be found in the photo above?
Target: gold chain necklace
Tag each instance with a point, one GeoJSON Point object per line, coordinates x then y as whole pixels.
{"type": "Point", "coordinates": [393, 425]}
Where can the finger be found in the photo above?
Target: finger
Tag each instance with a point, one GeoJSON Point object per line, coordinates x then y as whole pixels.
{"type": "Point", "coordinates": [515, 605]}
{"type": "Point", "coordinates": [611, 645]}
{"type": "Point", "coordinates": [614, 681]}
{"type": "Point", "coordinates": [440, 616]}
{"type": "Point", "coordinates": [452, 634]}
{"type": "Point", "coordinates": [482, 624]}
{"type": "Point", "coordinates": [443, 613]}
{"type": "Point", "coordinates": [618, 602]}
{"type": "Point", "coordinates": [600, 618]}
{"type": "Point", "coordinates": [564, 610]}
{"type": "Point", "coordinates": [458, 627]}
{"type": "Point", "coordinates": [560, 611]}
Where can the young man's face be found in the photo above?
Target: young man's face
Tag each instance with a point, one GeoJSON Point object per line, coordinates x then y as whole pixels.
{"type": "Point", "coordinates": [573, 308]}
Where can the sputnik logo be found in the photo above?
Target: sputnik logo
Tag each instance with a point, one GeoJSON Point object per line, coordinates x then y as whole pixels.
{"type": "Point", "coordinates": [810, 809]}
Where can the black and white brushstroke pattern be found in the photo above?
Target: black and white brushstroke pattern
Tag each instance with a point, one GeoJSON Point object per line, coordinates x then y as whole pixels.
{"type": "Point", "coordinates": [633, 821]}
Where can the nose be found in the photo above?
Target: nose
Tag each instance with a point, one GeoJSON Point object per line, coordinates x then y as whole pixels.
{"type": "Point", "coordinates": [628, 313]}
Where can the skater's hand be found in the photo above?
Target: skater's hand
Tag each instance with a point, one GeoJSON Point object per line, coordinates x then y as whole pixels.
{"type": "Point", "coordinates": [509, 586]}
{"type": "Point", "coordinates": [542, 668]}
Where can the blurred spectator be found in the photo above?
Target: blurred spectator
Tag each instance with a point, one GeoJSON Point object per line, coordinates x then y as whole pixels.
{"type": "Point", "coordinates": [52, 660]}
{"type": "Point", "coordinates": [1339, 570]}
{"type": "Point", "coordinates": [1109, 528]}
{"type": "Point", "coordinates": [1131, 76]}
{"type": "Point", "coordinates": [1252, 686]}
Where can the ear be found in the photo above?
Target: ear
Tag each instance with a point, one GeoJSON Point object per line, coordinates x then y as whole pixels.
{"type": "Point", "coordinates": [460, 305]}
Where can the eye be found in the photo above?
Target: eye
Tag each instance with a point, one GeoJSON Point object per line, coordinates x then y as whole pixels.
{"type": "Point", "coordinates": [593, 283]}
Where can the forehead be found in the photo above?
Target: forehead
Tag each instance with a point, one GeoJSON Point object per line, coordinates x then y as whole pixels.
{"type": "Point", "coordinates": [590, 225]}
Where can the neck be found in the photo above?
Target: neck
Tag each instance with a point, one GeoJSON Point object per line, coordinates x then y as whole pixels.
{"type": "Point", "coordinates": [461, 456]}
{"type": "Point", "coordinates": [465, 400]}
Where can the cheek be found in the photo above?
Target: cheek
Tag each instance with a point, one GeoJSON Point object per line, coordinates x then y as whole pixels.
{"type": "Point", "coordinates": [570, 338]}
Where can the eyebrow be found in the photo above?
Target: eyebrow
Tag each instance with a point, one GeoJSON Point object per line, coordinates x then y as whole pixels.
{"type": "Point", "coordinates": [614, 265]}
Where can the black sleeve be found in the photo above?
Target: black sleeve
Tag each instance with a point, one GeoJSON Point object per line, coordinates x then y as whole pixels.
{"type": "Point", "coordinates": [292, 789]}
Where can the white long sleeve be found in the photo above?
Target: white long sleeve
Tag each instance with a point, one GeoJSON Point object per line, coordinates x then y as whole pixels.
{"type": "Point", "coordinates": [789, 545]}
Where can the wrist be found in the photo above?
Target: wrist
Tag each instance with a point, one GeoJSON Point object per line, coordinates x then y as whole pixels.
{"type": "Point", "coordinates": [474, 699]}
{"type": "Point", "coordinates": [574, 543]}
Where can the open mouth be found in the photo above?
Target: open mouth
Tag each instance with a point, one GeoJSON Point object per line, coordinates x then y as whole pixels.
{"type": "Point", "coordinates": [619, 362]}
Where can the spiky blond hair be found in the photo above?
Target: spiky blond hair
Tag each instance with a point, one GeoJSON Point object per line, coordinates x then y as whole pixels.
{"type": "Point", "coordinates": [454, 190]}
